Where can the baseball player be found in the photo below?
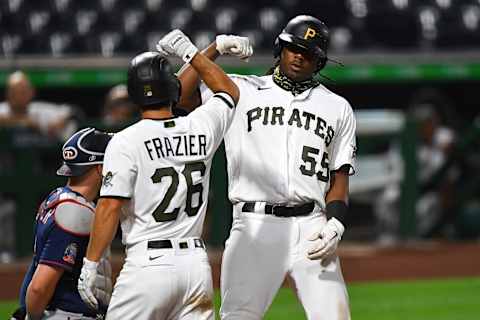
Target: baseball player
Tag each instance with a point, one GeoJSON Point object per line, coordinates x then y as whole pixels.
{"type": "Point", "coordinates": [62, 228]}
{"type": "Point", "coordinates": [156, 179]}
{"type": "Point", "coordinates": [290, 150]}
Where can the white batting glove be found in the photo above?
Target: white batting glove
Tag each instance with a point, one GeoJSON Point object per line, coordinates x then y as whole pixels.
{"type": "Point", "coordinates": [86, 283]}
{"type": "Point", "coordinates": [326, 241]}
{"type": "Point", "coordinates": [234, 45]}
{"type": "Point", "coordinates": [177, 43]}
{"type": "Point", "coordinates": [103, 283]}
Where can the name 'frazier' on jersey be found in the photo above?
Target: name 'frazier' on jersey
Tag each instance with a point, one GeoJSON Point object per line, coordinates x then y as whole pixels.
{"type": "Point", "coordinates": [176, 146]}
{"type": "Point", "coordinates": [276, 116]}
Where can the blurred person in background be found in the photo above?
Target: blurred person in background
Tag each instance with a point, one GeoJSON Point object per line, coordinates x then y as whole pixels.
{"type": "Point", "coordinates": [118, 109]}
{"type": "Point", "coordinates": [435, 142]}
{"type": "Point", "coordinates": [34, 122]}
{"type": "Point", "coordinates": [21, 111]}
{"type": "Point", "coordinates": [62, 228]}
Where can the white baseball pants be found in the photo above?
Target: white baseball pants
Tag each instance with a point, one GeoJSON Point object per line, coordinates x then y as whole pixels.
{"type": "Point", "coordinates": [261, 250]}
{"type": "Point", "coordinates": [164, 284]}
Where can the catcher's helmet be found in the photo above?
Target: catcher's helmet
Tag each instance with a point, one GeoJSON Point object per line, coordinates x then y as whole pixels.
{"type": "Point", "coordinates": [82, 150]}
{"type": "Point", "coordinates": [305, 32]}
{"type": "Point", "coordinates": [151, 81]}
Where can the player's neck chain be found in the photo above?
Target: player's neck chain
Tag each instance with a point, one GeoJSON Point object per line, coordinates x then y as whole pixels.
{"type": "Point", "coordinates": [288, 84]}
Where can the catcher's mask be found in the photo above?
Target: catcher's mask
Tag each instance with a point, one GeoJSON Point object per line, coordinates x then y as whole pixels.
{"type": "Point", "coordinates": [151, 81]}
{"type": "Point", "coordinates": [307, 33]}
{"type": "Point", "coordinates": [82, 150]}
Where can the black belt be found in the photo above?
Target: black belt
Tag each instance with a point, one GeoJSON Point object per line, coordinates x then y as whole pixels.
{"type": "Point", "coordinates": [167, 244]}
{"type": "Point", "coordinates": [85, 314]}
{"type": "Point", "coordinates": [282, 211]}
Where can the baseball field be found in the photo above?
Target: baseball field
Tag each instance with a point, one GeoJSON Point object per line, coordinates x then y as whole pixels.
{"type": "Point", "coordinates": [421, 281]}
{"type": "Point", "coordinates": [452, 299]}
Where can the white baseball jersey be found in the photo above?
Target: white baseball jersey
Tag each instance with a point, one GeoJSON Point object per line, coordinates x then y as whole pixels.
{"type": "Point", "coordinates": [163, 167]}
{"type": "Point", "coordinates": [281, 148]}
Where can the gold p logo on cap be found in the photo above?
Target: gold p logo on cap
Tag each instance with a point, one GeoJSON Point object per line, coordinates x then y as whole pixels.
{"type": "Point", "coordinates": [310, 33]}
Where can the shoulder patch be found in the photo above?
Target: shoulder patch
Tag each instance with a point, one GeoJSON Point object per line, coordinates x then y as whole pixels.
{"type": "Point", "coordinates": [74, 217]}
{"type": "Point", "coordinates": [70, 253]}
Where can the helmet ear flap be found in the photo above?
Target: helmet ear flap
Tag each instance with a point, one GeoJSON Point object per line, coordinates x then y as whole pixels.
{"type": "Point", "coordinates": [277, 48]}
{"type": "Point", "coordinates": [322, 62]}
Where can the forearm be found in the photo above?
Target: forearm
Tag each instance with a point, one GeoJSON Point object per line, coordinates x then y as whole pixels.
{"type": "Point", "coordinates": [339, 181]}
{"type": "Point", "coordinates": [37, 300]}
{"type": "Point", "coordinates": [188, 76]}
{"type": "Point", "coordinates": [103, 231]}
{"type": "Point", "coordinates": [213, 76]}
{"type": "Point", "coordinates": [337, 194]}
{"type": "Point", "coordinates": [36, 305]}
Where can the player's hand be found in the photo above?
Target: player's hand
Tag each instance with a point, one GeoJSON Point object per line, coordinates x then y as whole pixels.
{"type": "Point", "coordinates": [326, 241]}
{"type": "Point", "coordinates": [86, 283]}
{"type": "Point", "coordinates": [177, 43]}
{"type": "Point", "coordinates": [103, 283]}
{"type": "Point", "coordinates": [234, 45]}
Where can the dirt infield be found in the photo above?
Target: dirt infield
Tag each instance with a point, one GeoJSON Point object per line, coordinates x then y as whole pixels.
{"type": "Point", "coordinates": [421, 260]}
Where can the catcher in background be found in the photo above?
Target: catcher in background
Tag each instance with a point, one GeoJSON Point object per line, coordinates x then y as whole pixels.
{"type": "Point", "coordinates": [62, 228]}
{"type": "Point", "coordinates": [290, 150]}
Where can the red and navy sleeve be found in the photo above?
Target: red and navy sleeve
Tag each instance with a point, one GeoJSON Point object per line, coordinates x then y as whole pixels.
{"type": "Point", "coordinates": [63, 249]}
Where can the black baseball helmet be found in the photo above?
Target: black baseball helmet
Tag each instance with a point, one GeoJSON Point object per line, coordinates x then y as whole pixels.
{"type": "Point", "coordinates": [82, 150]}
{"type": "Point", "coordinates": [151, 81]}
{"type": "Point", "coordinates": [307, 33]}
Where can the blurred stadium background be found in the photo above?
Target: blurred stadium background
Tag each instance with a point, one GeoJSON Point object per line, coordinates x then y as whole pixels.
{"type": "Point", "coordinates": [410, 69]}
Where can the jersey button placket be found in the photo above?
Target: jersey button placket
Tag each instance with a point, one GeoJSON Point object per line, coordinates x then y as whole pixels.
{"type": "Point", "coordinates": [289, 155]}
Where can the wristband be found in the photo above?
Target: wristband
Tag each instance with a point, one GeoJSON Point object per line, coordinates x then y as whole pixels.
{"type": "Point", "coordinates": [337, 209]}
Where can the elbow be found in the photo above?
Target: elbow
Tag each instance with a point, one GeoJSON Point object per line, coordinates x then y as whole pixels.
{"type": "Point", "coordinates": [234, 92]}
{"type": "Point", "coordinates": [36, 299]}
{"type": "Point", "coordinates": [35, 291]}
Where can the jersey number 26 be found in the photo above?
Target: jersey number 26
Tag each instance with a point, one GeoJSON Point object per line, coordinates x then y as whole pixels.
{"type": "Point", "coordinates": [159, 214]}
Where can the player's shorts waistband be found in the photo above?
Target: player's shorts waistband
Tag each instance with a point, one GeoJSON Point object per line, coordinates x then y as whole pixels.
{"type": "Point", "coordinates": [279, 210]}
{"type": "Point", "coordinates": [187, 243]}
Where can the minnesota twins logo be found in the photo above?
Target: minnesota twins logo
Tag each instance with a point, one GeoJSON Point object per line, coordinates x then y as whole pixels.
{"type": "Point", "coordinates": [70, 153]}
{"type": "Point", "coordinates": [70, 253]}
{"type": "Point", "coordinates": [107, 179]}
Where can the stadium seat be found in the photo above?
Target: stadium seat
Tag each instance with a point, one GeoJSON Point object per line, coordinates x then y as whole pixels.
{"type": "Point", "coordinates": [392, 24]}
{"type": "Point", "coordinates": [203, 38]}
{"type": "Point", "coordinates": [180, 19]}
{"type": "Point", "coordinates": [39, 26]}
{"type": "Point", "coordinates": [428, 19]}
{"type": "Point", "coordinates": [85, 22]}
{"type": "Point", "coordinates": [225, 19]}
{"type": "Point", "coordinates": [134, 22]}
{"type": "Point", "coordinates": [460, 29]}
{"type": "Point", "coordinates": [61, 43]}
{"type": "Point", "coordinates": [152, 38]}
{"type": "Point", "coordinates": [11, 43]}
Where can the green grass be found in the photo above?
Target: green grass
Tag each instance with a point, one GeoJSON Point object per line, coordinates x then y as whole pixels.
{"type": "Point", "coordinates": [454, 299]}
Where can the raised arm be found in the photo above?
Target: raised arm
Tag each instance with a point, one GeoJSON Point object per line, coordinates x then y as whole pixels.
{"type": "Point", "coordinates": [189, 75]}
